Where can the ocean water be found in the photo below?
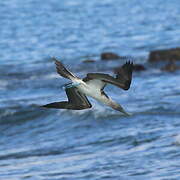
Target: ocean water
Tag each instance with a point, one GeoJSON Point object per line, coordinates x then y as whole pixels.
{"type": "Point", "coordinates": [97, 143]}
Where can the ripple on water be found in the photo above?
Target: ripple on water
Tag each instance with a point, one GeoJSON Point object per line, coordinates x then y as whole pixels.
{"type": "Point", "coordinates": [97, 143]}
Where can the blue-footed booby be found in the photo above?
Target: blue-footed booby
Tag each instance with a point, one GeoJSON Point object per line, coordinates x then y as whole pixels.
{"type": "Point", "coordinates": [92, 85]}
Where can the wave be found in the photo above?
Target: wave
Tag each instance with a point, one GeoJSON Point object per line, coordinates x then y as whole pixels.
{"type": "Point", "coordinates": [23, 112]}
{"type": "Point", "coordinates": [96, 112]}
{"type": "Point", "coordinates": [17, 114]}
{"type": "Point", "coordinates": [3, 84]}
{"type": "Point", "coordinates": [177, 139]}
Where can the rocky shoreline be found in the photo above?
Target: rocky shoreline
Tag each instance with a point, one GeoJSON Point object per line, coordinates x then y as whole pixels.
{"type": "Point", "coordinates": [169, 59]}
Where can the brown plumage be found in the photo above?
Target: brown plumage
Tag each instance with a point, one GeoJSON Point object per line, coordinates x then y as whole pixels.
{"type": "Point", "coordinates": [92, 85]}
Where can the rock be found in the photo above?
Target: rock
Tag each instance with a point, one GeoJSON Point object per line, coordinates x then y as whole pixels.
{"type": "Point", "coordinates": [166, 54]}
{"type": "Point", "coordinates": [89, 61]}
{"type": "Point", "coordinates": [170, 67]}
{"type": "Point", "coordinates": [109, 56]}
{"type": "Point", "coordinates": [138, 67]}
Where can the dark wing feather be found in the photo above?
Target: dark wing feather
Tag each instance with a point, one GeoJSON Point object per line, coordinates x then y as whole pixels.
{"type": "Point", "coordinates": [77, 98]}
{"type": "Point", "coordinates": [106, 78]}
{"type": "Point", "coordinates": [76, 101]}
{"type": "Point", "coordinates": [62, 70]}
{"type": "Point", "coordinates": [57, 105]}
{"type": "Point", "coordinates": [92, 81]}
{"type": "Point", "coordinates": [122, 80]}
{"type": "Point", "coordinates": [124, 74]}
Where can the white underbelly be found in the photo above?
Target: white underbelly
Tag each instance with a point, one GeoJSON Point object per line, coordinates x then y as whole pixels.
{"type": "Point", "coordinates": [89, 91]}
{"type": "Point", "coordinates": [92, 91]}
{"type": "Point", "coordinates": [95, 93]}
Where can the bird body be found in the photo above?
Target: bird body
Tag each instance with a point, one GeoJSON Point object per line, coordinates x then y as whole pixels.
{"type": "Point", "coordinates": [92, 89]}
{"type": "Point", "coordinates": [92, 85]}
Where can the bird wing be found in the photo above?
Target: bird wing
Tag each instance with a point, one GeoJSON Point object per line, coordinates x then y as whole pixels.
{"type": "Point", "coordinates": [94, 82]}
{"type": "Point", "coordinates": [124, 74]}
{"type": "Point", "coordinates": [62, 70]}
{"type": "Point", "coordinates": [122, 80]}
{"type": "Point", "coordinates": [97, 84]}
{"type": "Point", "coordinates": [76, 98]}
{"type": "Point", "coordinates": [76, 101]}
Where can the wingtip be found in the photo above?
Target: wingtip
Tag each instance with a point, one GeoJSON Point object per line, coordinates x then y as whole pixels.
{"type": "Point", "coordinates": [58, 64]}
{"type": "Point", "coordinates": [47, 106]}
{"type": "Point", "coordinates": [130, 62]}
{"type": "Point", "coordinates": [54, 58]}
{"type": "Point", "coordinates": [56, 61]}
{"type": "Point", "coordinates": [42, 106]}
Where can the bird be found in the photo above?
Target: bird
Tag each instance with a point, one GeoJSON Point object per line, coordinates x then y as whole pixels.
{"type": "Point", "coordinates": [92, 85]}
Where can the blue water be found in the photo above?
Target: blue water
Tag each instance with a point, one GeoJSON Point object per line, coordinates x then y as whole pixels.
{"type": "Point", "coordinates": [98, 143]}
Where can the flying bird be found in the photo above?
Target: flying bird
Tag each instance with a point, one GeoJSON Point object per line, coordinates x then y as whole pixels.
{"type": "Point", "coordinates": [92, 85]}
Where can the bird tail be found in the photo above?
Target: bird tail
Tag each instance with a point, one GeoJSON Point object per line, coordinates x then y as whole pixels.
{"type": "Point", "coordinates": [61, 70]}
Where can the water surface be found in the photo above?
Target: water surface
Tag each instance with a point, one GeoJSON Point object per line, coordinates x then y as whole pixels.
{"type": "Point", "coordinates": [97, 143]}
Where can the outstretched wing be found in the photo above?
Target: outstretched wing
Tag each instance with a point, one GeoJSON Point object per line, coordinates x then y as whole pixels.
{"type": "Point", "coordinates": [76, 98]}
{"type": "Point", "coordinates": [76, 101]}
{"type": "Point", "coordinates": [62, 70]}
{"type": "Point", "coordinates": [122, 80]}
{"type": "Point", "coordinates": [92, 81]}
{"type": "Point", "coordinates": [124, 74]}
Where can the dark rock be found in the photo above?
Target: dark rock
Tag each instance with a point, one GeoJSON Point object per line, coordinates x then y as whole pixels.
{"type": "Point", "coordinates": [166, 54]}
{"type": "Point", "coordinates": [109, 56]}
{"type": "Point", "coordinates": [89, 61]}
{"type": "Point", "coordinates": [138, 67]}
{"type": "Point", "coordinates": [170, 67]}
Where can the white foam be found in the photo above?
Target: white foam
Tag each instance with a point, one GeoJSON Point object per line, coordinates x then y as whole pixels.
{"type": "Point", "coordinates": [177, 139]}
{"type": "Point", "coordinates": [3, 84]}
{"type": "Point", "coordinates": [98, 111]}
{"type": "Point", "coordinates": [48, 76]}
